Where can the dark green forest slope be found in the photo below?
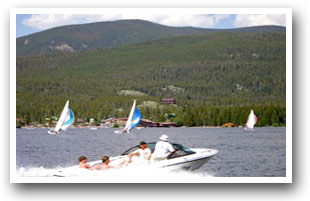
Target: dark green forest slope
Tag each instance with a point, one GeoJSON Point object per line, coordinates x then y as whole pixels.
{"type": "Point", "coordinates": [83, 37]}
{"type": "Point", "coordinates": [214, 78]}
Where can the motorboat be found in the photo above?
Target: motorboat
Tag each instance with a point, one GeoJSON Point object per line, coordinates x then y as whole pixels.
{"type": "Point", "coordinates": [182, 158]}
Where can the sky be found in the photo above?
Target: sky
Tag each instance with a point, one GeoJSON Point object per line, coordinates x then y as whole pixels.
{"type": "Point", "coordinates": [30, 23]}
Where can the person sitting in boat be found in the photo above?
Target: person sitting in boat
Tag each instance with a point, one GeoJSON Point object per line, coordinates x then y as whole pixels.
{"type": "Point", "coordinates": [104, 165]}
{"type": "Point", "coordinates": [162, 149]}
{"type": "Point", "coordinates": [83, 162]}
{"type": "Point", "coordinates": [142, 155]}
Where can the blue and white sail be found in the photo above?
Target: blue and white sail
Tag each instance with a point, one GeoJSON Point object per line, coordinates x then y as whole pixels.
{"type": "Point", "coordinates": [133, 118]}
{"type": "Point", "coordinates": [66, 119]}
{"type": "Point", "coordinates": [69, 120]}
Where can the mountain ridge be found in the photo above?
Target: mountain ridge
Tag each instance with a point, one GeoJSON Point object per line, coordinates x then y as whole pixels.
{"type": "Point", "coordinates": [81, 37]}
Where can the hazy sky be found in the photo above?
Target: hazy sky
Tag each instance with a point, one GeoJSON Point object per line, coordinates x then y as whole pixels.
{"type": "Point", "coordinates": [27, 23]}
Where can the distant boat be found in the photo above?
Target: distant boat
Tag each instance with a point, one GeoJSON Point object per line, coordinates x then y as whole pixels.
{"type": "Point", "coordinates": [132, 121]}
{"type": "Point", "coordinates": [252, 119]}
{"type": "Point", "coordinates": [65, 121]}
{"type": "Point", "coordinates": [93, 128]}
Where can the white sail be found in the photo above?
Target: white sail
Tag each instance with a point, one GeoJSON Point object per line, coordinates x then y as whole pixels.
{"type": "Point", "coordinates": [62, 117]}
{"type": "Point", "coordinates": [66, 119]}
{"type": "Point", "coordinates": [252, 119]}
{"type": "Point", "coordinates": [133, 118]}
{"type": "Point", "coordinates": [129, 119]}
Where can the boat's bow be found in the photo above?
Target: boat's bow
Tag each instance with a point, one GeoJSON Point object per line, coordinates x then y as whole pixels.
{"type": "Point", "coordinates": [189, 162]}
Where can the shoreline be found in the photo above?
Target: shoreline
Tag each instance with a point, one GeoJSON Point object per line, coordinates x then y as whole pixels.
{"type": "Point", "coordinates": [102, 127]}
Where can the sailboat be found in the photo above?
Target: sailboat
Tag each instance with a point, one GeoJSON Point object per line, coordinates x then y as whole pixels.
{"type": "Point", "coordinates": [65, 121]}
{"type": "Point", "coordinates": [93, 126]}
{"type": "Point", "coordinates": [132, 121]}
{"type": "Point", "coordinates": [252, 119]}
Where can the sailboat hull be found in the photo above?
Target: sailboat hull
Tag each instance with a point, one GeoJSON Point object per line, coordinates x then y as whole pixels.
{"type": "Point", "coordinates": [52, 132]}
{"type": "Point", "coordinates": [118, 132]}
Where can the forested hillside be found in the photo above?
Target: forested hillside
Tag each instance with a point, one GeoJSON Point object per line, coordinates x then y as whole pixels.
{"type": "Point", "coordinates": [83, 37]}
{"type": "Point", "coordinates": [215, 78]}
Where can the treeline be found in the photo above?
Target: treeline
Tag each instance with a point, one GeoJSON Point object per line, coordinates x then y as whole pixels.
{"type": "Point", "coordinates": [199, 115]}
{"type": "Point", "coordinates": [268, 115]}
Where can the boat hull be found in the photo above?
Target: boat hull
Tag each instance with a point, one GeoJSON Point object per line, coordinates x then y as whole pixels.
{"type": "Point", "coordinates": [52, 132]}
{"type": "Point", "coordinates": [189, 162]}
{"type": "Point", "coordinates": [189, 165]}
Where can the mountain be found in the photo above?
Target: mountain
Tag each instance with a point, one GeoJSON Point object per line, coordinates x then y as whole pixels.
{"type": "Point", "coordinates": [204, 73]}
{"type": "Point", "coordinates": [83, 37]}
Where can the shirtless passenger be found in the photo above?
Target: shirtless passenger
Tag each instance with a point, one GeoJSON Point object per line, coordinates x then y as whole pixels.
{"type": "Point", "coordinates": [83, 162]}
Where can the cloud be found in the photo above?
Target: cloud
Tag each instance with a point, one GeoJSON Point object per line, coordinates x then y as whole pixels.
{"type": "Point", "coordinates": [46, 21]}
{"type": "Point", "coordinates": [203, 21]}
{"type": "Point", "coordinates": [243, 20]}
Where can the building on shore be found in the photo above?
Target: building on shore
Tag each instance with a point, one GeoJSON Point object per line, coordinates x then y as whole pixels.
{"type": "Point", "coordinates": [168, 124]}
{"type": "Point", "coordinates": [168, 101]}
{"type": "Point", "coordinates": [110, 122]}
{"type": "Point", "coordinates": [121, 122]}
{"type": "Point", "coordinates": [148, 123]}
{"type": "Point", "coordinates": [229, 125]}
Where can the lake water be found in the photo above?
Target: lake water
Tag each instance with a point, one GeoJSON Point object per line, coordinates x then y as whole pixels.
{"type": "Point", "coordinates": [258, 153]}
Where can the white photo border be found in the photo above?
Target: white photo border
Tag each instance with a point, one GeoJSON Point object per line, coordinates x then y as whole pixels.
{"type": "Point", "coordinates": [286, 11]}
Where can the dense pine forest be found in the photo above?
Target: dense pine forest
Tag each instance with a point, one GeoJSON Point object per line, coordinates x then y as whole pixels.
{"type": "Point", "coordinates": [214, 78]}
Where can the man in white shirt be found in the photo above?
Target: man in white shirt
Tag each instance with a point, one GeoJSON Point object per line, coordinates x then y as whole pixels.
{"type": "Point", "coordinates": [162, 149]}
{"type": "Point", "coordinates": [141, 155]}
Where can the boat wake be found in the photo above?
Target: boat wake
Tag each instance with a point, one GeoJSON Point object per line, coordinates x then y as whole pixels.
{"type": "Point", "coordinates": [135, 174]}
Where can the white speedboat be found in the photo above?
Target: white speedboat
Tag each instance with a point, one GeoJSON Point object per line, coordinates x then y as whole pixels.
{"type": "Point", "coordinates": [182, 158]}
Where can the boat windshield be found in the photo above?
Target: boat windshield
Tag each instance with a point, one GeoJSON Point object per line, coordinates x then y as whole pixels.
{"type": "Point", "coordinates": [180, 150]}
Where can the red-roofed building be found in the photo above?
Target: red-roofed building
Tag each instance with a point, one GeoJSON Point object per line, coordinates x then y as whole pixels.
{"type": "Point", "coordinates": [168, 101]}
